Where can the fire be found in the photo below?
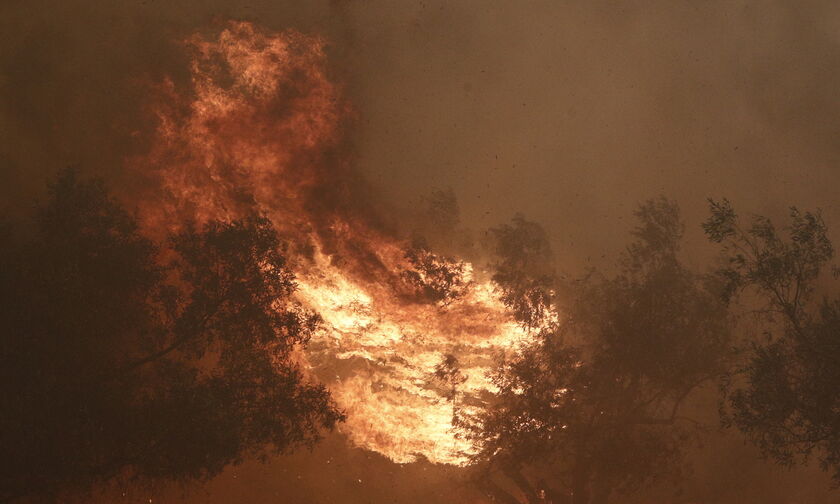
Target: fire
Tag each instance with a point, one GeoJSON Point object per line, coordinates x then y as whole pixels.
{"type": "Point", "coordinates": [383, 353]}
{"type": "Point", "coordinates": [260, 129]}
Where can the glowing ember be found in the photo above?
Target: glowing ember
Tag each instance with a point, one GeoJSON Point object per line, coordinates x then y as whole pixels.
{"type": "Point", "coordinates": [260, 129]}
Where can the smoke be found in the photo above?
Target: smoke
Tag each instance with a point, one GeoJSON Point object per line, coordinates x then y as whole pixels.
{"type": "Point", "coordinates": [568, 113]}
{"type": "Point", "coordinates": [572, 114]}
{"type": "Point", "coordinates": [259, 130]}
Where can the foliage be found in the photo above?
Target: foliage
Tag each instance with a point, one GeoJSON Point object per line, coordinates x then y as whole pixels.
{"type": "Point", "coordinates": [524, 271]}
{"type": "Point", "coordinates": [441, 211]}
{"type": "Point", "coordinates": [448, 373]}
{"type": "Point", "coordinates": [595, 402]}
{"type": "Point", "coordinates": [433, 278]}
{"type": "Point", "coordinates": [784, 397]}
{"type": "Point", "coordinates": [124, 359]}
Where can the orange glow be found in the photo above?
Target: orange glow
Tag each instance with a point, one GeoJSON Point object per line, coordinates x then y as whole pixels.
{"type": "Point", "coordinates": [261, 127]}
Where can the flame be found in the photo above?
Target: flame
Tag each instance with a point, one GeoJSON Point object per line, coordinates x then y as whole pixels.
{"type": "Point", "coordinates": [260, 128]}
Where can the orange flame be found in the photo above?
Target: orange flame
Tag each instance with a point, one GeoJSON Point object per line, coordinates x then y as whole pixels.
{"type": "Point", "coordinates": [260, 129]}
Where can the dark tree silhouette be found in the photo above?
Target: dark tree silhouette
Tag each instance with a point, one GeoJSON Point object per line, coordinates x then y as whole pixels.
{"type": "Point", "coordinates": [594, 405]}
{"type": "Point", "coordinates": [120, 359]}
{"type": "Point", "coordinates": [433, 278]}
{"type": "Point", "coordinates": [523, 270]}
{"type": "Point", "coordinates": [784, 397]}
{"type": "Point", "coordinates": [441, 211]}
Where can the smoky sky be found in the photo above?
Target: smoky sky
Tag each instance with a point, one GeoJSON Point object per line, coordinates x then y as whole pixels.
{"type": "Point", "coordinates": [568, 112]}
{"type": "Point", "coordinates": [574, 112]}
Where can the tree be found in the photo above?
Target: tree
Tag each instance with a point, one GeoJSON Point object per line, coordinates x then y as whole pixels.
{"type": "Point", "coordinates": [523, 270]}
{"type": "Point", "coordinates": [594, 404]}
{"type": "Point", "coordinates": [433, 278]}
{"type": "Point", "coordinates": [121, 358]}
{"type": "Point", "coordinates": [784, 397]}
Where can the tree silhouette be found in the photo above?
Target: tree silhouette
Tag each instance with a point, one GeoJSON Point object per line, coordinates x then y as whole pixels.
{"type": "Point", "coordinates": [594, 405]}
{"type": "Point", "coordinates": [122, 359]}
{"type": "Point", "coordinates": [784, 397]}
{"type": "Point", "coordinates": [523, 270]}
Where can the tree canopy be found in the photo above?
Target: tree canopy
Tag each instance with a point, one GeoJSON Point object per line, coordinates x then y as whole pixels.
{"type": "Point", "coordinates": [595, 402]}
{"type": "Point", "coordinates": [784, 396]}
{"type": "Point", "coordinates": [123, 358]}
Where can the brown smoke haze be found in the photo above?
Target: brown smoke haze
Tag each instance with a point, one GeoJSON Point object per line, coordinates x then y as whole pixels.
{"type": "Point", "coordinates": [569, 113]}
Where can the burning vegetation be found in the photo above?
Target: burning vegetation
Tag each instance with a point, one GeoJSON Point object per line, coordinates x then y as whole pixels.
{"type": "Point", "coordinates": [252, 298]}
{"type": "Point", "coordinates": [259, 133]}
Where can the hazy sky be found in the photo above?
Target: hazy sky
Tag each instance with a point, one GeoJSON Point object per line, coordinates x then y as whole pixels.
{"type": "Point", "coordinates": [570, 112]}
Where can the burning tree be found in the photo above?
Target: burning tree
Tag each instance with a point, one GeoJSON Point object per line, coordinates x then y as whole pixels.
{"type": "Point", "coordinates": [595, 404]}
{"type": "Point", "coordinates": [258, 128]}
{"type": "Point", "coordinates": [433, 278]}
{"type": "Point", "coordinates": [121, 358]}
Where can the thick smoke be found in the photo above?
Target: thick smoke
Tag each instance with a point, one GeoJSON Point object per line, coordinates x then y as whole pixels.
{"type": "Point", "coordinates": [259, 130]}
{"type": "Point", "coordinates": [568, 113]}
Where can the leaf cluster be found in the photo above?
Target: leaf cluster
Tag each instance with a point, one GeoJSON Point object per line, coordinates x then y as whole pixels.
{"type": "Point", "coordinates": [123, 358]}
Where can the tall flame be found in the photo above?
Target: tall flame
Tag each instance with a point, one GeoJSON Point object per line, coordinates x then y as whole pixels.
{"type": "Point", "coordinates": [260, 128]}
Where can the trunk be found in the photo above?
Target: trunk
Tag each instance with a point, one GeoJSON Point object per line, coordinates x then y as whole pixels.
{"type": "Point", "coordinates": [494, 492]}
{"type": "Point", "coordinates": [522, 482]}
